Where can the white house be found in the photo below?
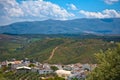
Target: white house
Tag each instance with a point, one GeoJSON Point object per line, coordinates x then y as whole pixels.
{"type": "Point", "coordinates": [63, 73]}
{"type": "Point", "coordinates": [23, 69]}
{"type": "Point", "coordinates": [79, 76]}
{"type": "Point", "coordinates": [45, 71]}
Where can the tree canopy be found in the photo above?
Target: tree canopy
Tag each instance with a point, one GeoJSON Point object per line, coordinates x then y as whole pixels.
{"type": "Point", "coordinates": [108, 65]}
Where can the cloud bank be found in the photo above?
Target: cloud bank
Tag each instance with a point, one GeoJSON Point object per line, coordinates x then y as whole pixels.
{"type": "Point", "coordinates": [36, 10]}
{"type": "Point", "coordinates": [31, 10]}
{"type": "Point", "coordinates": [107, 13]}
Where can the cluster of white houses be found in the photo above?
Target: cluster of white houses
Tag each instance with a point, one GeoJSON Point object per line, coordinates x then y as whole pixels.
{"type": "Point", "coordinates": [66, 71]}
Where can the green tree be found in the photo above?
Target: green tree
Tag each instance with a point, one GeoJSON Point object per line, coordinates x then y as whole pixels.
{"type": "Point", "coordinates": [1, 75]}
{"type": "Point", "coordinates": [108, 65]}
{"type": "Point", "coordinates": [58, 78]}
{"type": "Point", "coordinates": [9, 66]}
{"type": "Point", "coordinates": [54, 68]}
{"type": "Point", "coordinates": [32, 65]}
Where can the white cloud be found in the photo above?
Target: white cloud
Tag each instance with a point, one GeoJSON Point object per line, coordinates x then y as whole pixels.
{"type": "Point", "coordinates": [11, 8]}
{"type": "Point", "coordinates": [45, 9]}
{"type": "Point", "coordinates": [110, 1]}
{"type": "Point", "coordinates": [32, 10]}
{"type": "Point", "coordinates": [108, 13]}
{"type": "Point", "coordinates": [72, 6]}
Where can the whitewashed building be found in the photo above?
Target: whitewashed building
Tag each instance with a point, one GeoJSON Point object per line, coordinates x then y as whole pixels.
{"type": "Point", "coordinates": [63, 73]}
{"type": "Point", "coordinates": [45, 71]}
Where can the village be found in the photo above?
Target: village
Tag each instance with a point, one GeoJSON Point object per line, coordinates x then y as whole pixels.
{"type": "Point", "coordinates": [68, 72]}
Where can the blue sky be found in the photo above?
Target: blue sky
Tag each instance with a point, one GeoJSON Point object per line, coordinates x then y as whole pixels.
{"type": "Point", "coordinates": [37, 10]}
{"type": "Point", "coordinates": [89, 5]}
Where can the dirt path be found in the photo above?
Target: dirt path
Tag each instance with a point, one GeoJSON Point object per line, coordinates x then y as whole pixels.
{"type": "Point", "coordinates": [52, 53]}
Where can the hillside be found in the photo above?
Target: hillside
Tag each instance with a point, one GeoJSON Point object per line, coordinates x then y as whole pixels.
{"type": "Point", "coordinates": [68, 50]}
{"type": "Point", "coordinates": [93, 26]}
{"type": "Point", "coordinates": [54, 49]}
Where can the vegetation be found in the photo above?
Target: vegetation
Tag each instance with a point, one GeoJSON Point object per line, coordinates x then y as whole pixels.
{"type": "Point", "coordinates": [54, 68]}
{"type": "Point", "coordinates": [1, 75]}
{"type": "Point", "coordinates": [108, 65]}
{"type": "Point", "coordinates": [70, 48]}
{"type": "Point", "coordinates": [55, 78]}
{"type": "Point", "coordinates": [32, 65]}
{"type": "Point", "coordinates": [27, 76]}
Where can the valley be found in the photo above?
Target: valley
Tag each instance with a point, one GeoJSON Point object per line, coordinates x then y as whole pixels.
{"type": "Point", "coordinates": [63, 49]}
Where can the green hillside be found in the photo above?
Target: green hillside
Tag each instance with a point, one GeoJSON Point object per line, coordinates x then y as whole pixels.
{"type": "Point", "coordinates": [52, 50]}
{"type": "Point", "coordinates": [68, 50]}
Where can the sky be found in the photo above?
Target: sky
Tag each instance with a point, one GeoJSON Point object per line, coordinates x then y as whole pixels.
{"type": "Point", "coordinates": [12, 11]}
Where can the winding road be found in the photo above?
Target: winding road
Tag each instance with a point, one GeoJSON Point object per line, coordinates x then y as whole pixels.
{"type": "Point", "coordinates": [52, 54]}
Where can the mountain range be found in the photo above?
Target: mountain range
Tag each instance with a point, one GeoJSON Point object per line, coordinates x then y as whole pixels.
{"type": "Point", "coordinates": [92, 26]}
